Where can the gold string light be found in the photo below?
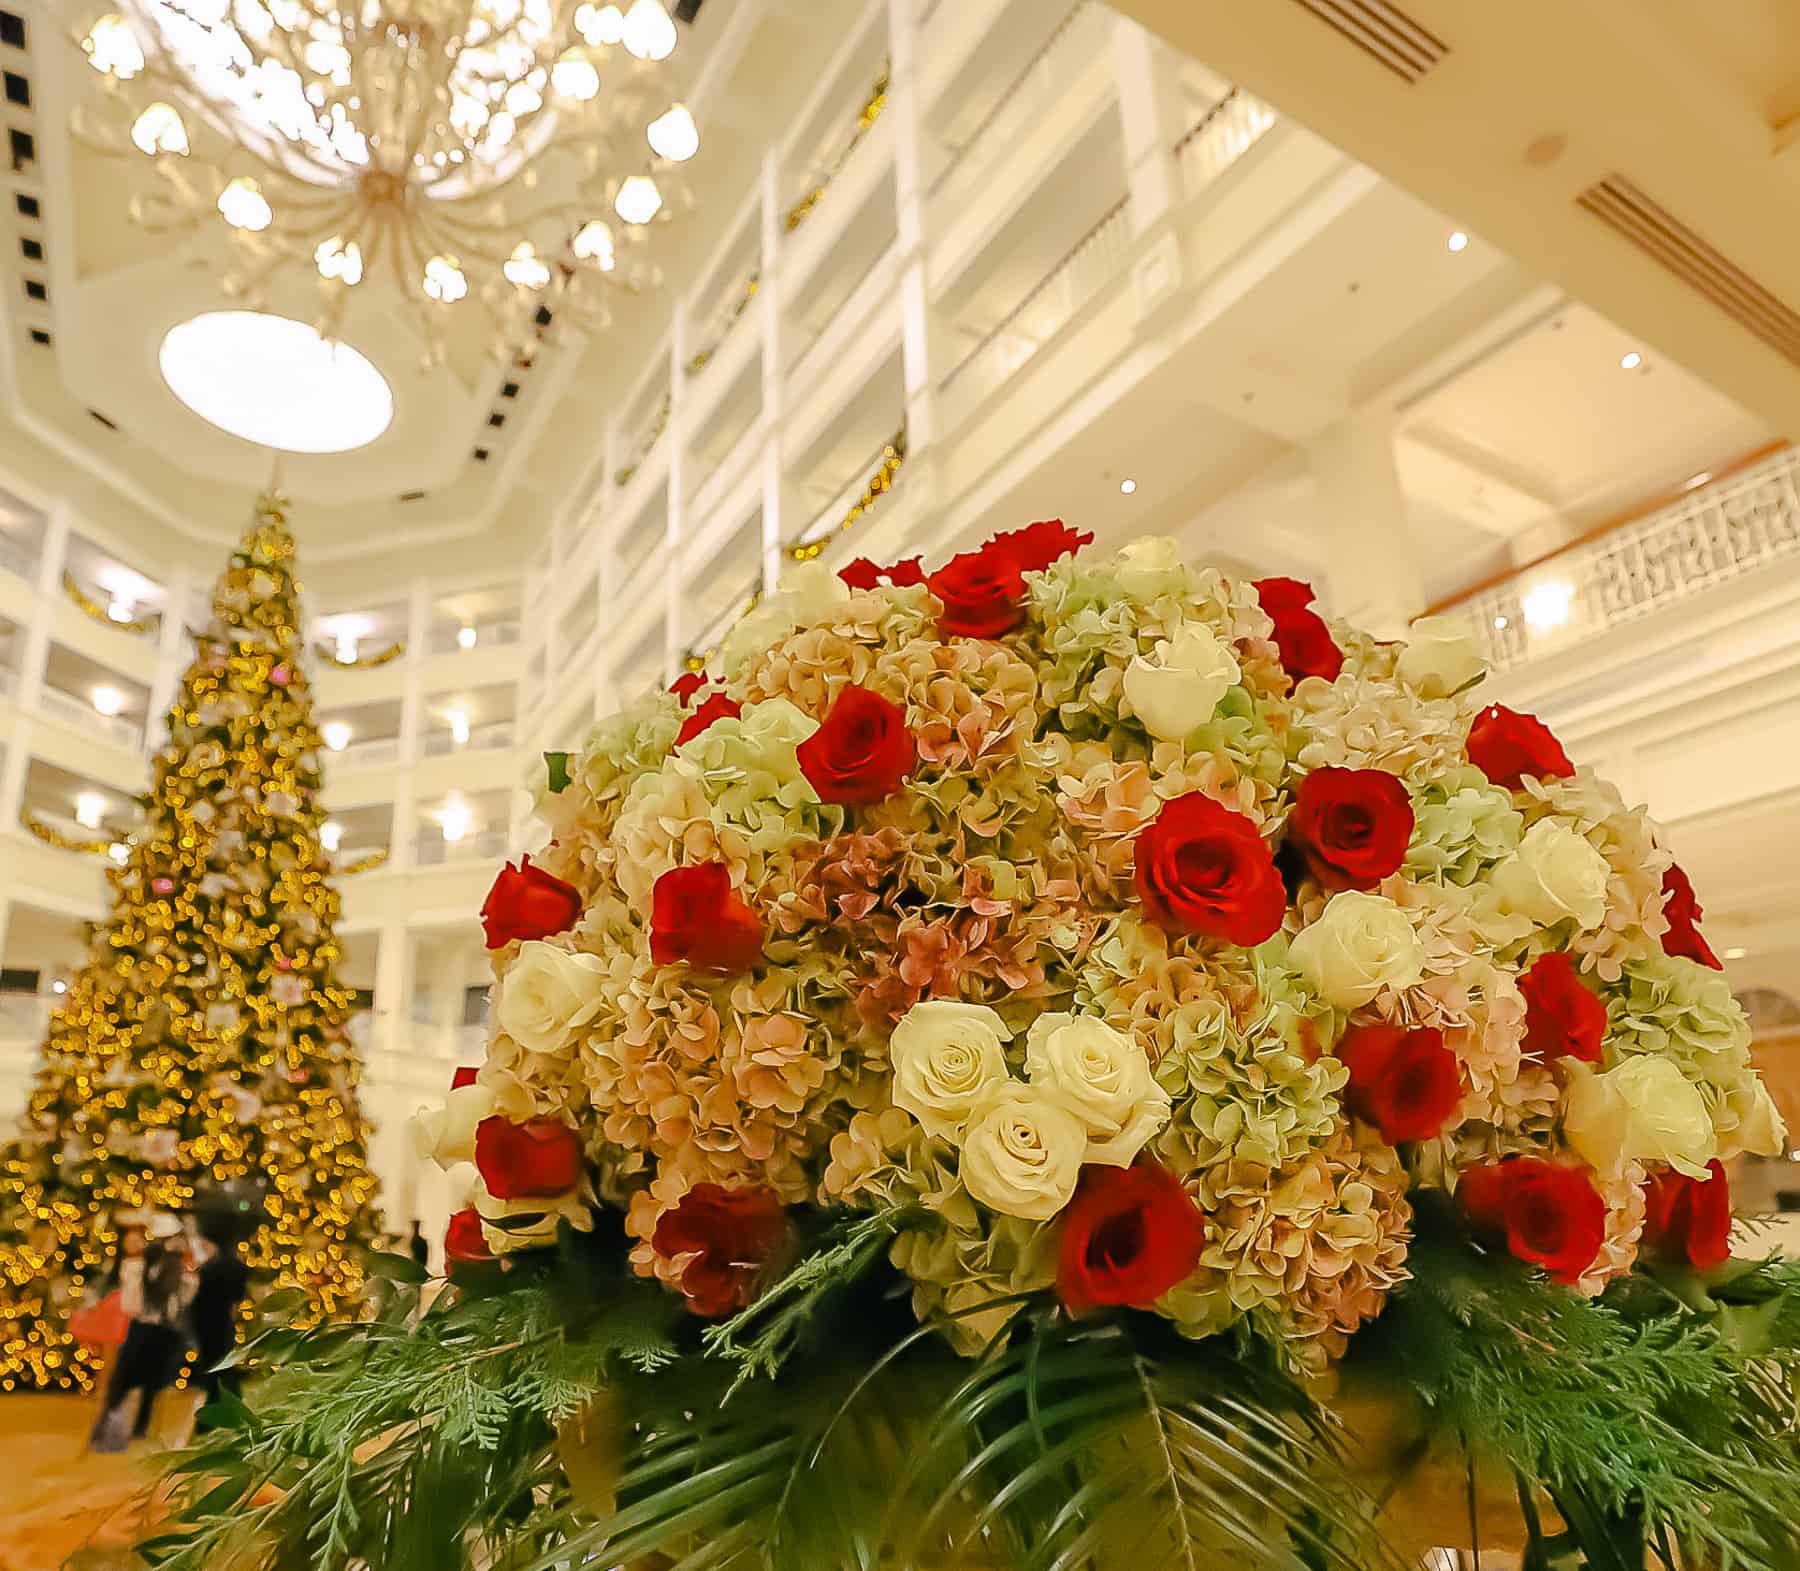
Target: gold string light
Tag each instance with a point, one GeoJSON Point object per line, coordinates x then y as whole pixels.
{"type": "Point", "coordinates": [866, 118]}
{"type": "Point", "coordinates": [206, 1040]}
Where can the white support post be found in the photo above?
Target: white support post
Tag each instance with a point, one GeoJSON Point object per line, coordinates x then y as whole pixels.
{"type": "Point", "coordinates": [1148, 87]}
{"type": "Point", "coordinates": [774, 370]}
{"type": "Point", "coordinates": [393, 988]}
{"type": "Point", "coordinates": [34, 655]}
{"type": "Point", "coordinates": [674, 540]}
{"type": "Point", "coordinates": [412, 707]}
{"type": "Point", "coordinates": [1370, 554]}
{"type": "Point", "coordinates": [606, 579]}
{"type": "Point", "coordinates": [905, 109]}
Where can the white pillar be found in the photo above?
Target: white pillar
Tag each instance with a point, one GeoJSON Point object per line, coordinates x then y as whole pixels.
{"type": "Point", "coordinates": [1149, 93]}
{"type": "Point", "coordinates": [774, 371]}
{"type": "Point", "coordinates": [172, 654]}
{"type": "Point", "coordinates": [393, 989]}
{"type": "Point", "coordinates": [34, 654]}
{"type": "Point", "coordinates": [412, 707]}
{"type": "Point", "coordinates": [1371, 558]}
{"type": "Point", "coordinates": [606, 578]}
{"type": "Point", "coordinates": [904, 109]}
{"type": "Point", "coordinates": [674, 540]}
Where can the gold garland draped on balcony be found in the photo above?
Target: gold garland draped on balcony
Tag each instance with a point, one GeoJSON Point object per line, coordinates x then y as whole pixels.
{"type": "Point", "coordinates": [85, 603]}
{"type": "Point", "coordinates": [748, 293]}
{"type": "Point", "coordinates": [866, 117]}
{"type": "Point", "coordinates": [53, 836]}
{"type": "Point", "coordinates": [364, 864]}
{"type": "Point", "coordinates": [381, 657]}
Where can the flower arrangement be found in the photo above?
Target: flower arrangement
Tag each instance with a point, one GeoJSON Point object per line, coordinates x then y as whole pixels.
{"type": "Point", "coordinates": [1045, 1015]}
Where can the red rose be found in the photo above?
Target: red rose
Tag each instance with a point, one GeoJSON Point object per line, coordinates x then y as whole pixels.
{"type": "Point", "coordinates": [1408, 1084]}
{"type": "Point", "coordinates": [696, 916]}
{"type": "Point", "coordinates": [1037, 545]}
{"type": "Point", "coordinates": [684, 687]}
{"type": "Point", "coordinates": [1129, 1235]}
{"type": "Point", "coordinates": [1506, 746]}
{"type": "Point", "coordinates": [1683, 914]}
{"type": "Point", "coordinates": [535, 1160]}
{"type": "Point", "coordinates": [864, 574]}
{"type": "Point", "coordinates": [463, 1239]}
{"type": "Point", "coordinates": [983, 594]}
{"type": "Point", "coordinates": [718, 707]}
{"type": "Point", "coordinates": [1353, 826]}
{"type": "Point", "coordinates": [1283, 594]}
{"type": "Point", "coordinates": [861, 751]}
{"type": "Point", "coordinates": [1689, 1218]}
{"type": "Point", "coordinates": [1563, 1019]}
{"type": "Point", "coordinates": [728, 1237]}
{"type": "Point", "coordinates": [1549, 1214]}
{"type": "Point", "coordinates": [526, 902]}
{"type": "Point", "coordinates": [464, 1076]}
{"type": "Point", "coordinates": [1202, 868]}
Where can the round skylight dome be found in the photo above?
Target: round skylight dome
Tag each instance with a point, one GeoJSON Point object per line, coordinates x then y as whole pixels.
{"type": "Point", "coordinates": [275, 381]}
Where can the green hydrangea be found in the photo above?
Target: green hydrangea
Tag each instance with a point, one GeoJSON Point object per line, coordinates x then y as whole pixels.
{"type": "Point", "coordinates": [625, 746]}
{"type": "Point", "coordinates": [1462, 826]}
{"type": "Point", "coordinates": [1685, 1012]}
{"type": "Point", "coordinates": [748, 769]}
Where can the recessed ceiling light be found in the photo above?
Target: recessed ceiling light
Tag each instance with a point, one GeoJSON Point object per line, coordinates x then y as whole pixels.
{"type": "Point", "coordinates": [1458, 241]}
{"type": "Point", "coordinates": [1547, 604]}
{"type": "Point", "coordinates": [108, 701]}
{"type": "Point", "coordinates": [1128, 486]}
{"type": "Point", "coordinates": [1733, 954]}
{"type": "Point", "coordinates": [467, 638]}
{"type": "Point", "coordinates": [276, 382]}
{"type": "Point", "coordinates": [1630, 362]}
{"type": "Point", "coordinates": [1500, 624]}
{"type": "Point", "coordinates": [1694, 482]}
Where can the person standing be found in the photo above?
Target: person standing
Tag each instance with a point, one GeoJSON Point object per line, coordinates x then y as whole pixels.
{"type": "Point", "coordinates": [421, 1251]}
{"type": "Point", "coordinates": [156, 1297]}
{"type": "Point", "coordinates": [221, 1283]}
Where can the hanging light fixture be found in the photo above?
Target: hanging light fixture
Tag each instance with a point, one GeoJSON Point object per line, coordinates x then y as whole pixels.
{"type": "Point", "coordinates": [458, 149]}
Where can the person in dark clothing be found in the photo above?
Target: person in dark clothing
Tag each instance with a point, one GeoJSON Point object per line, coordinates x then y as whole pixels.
{"type": "Point", "coordinates": [151, 1357]}
{"type": "Point", "coordinates": [421, 1251]}
{"type": "Point", "coordinates": [223, 1280]}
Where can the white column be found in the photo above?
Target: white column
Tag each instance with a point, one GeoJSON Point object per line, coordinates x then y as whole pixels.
{"type": "Point", "coordinates": [393, 989]}
{"type": "Point", "coordinates": [904, 109]}
{"type": "Point", "coordinates": [1149, 93]}
{"type": "Point", "coordinates": [412, 706]}
{"type": "Point", "coordinates": [5, 917]}
{"type": "Point", "coordinates": [774, 371]}
{"type": "Point", "coordinates": [606, 579]}
{"type": "Point", "coordinates": [1371, 558]}
{"type": "Point", "coordinates": [172, 653]}
{"type": "Point", "coordinates": [676, 436]}
{"type": "Point", "coordinates": [34, 653]}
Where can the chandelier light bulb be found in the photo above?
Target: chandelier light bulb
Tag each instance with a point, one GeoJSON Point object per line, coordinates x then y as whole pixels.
{"type": "Point", "coordinates": [593, 242]}
{"type": "Point", "coordinates": [638, 200]}
{"type": "Point", "coordinates": [108, 701]}
{"type": "Point", "coordinates": [335, 259]}
{"type": "Point", "coordinates": [90, 808]}
{"type": "Point", "coordinates": [455, 819]}
{"type": "Point", "coordinates": [648, 33]}
{"type": "Point", "coordinates": [159, 129]}
{"type": "Point", "coordinates": [112, 47]}
{"type": "Point", "coordinates": [119, 610]}
{"type": "Point", "coordinates": [522, 98]}
{"type": "Point", "coordinates": [674, 135]}
{"type": "Point", "coordinates": [346, 649]}
{"type": "Point", "coordinates": [600, 24]}
{"type": "Point", "coordinates": [459, 725]}
{"type": "Point", "coordinates": [337, 734]}
{"type": "Point", "coordinates": [243, 206]}
{"type": "Point", "coordinates": [525, 267]}
{"type": "Point", "coordinates": [574, 76]}
{"type": "Point", "coordinates": [444, 280]}
{"type": "Point", "coordinates": [467, 638]}
{"type": "Point", "coordinates": [331, 834]}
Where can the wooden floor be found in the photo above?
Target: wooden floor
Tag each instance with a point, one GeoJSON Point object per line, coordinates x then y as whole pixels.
{"type": "Point", "coordinates": [61, 1505]}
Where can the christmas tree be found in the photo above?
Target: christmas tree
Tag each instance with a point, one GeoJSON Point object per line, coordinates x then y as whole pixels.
{"type": "Point", "coordinates": [203, 1053]}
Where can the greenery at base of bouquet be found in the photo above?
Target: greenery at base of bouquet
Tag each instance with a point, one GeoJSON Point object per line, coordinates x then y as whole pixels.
{"type": "Point", "coordinates": [556, 1411]}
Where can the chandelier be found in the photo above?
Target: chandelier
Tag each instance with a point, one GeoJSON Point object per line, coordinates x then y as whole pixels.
{"type": "Point", "coordinates": [502, 154]}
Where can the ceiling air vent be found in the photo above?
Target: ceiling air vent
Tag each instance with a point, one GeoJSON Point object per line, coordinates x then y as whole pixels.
{"type": "Point", "coordinates": [1618, 204]}
{"type": "Point", "coordinates": [1383, 32]}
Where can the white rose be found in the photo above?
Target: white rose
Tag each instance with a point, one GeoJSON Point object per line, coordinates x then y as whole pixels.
{"type": "Point", "coordinates": [1645, 1110]}
{"type": "Point", "coordinates": [1022, 1151]}
{"type": "Point", "coordinates": [1176, 690]}
{"type": "Point", "coordinates": [1101, 1076]}
{"type": "Point", "coordinates": [507, 1225]}
{"type": "Point", "coordinates": [1148, 566]}
{"type": "Point", "coordinates": [547, 995]}
{"type": "Point", "coordinates": [1760, 1129]}
{"type": "Point", "coordinates": [446, 1134]}
{"type": "Point", "coordinates": [944, 1055]}
{"type": "Point", "coordinates": [1554, 874]}
{"type": "Point", "coordinates": [1360, 944]}
{"type": "Point", "coordinates": [1441, 656]}
{"type": "Point", "coordinates": [812, 592]}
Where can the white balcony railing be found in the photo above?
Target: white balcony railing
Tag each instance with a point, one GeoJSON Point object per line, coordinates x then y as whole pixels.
{"type": "Point", "coordinates": [446, 636]}
{"type": "Point", "coordinates": [78, 712]}
{"type": "Point", "coordinates": [1223, 135]}
{"type": "Point", "coordinates": [8, 680]}
{"type": "Point", "coordinates": [481, 738]}
{"type": "Point", "coordinates": [1094, 261]}
{"type": "Point", "coordinates": [431, 849]}
{"type": "Point", "coordinates": [379, 752]}
{"type": "Point", "coordinates": [24, 1017]}
{"type": "Point", "coordinates": [17, 558]}
{"type": "Point", "coordinates": [1713, 535]}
